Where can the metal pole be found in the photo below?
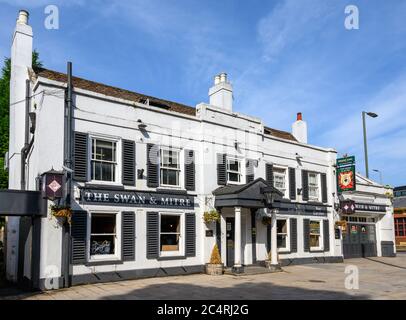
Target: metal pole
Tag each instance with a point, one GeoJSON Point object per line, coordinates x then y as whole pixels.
{"type": "Point", "coordinates": [365, 144]}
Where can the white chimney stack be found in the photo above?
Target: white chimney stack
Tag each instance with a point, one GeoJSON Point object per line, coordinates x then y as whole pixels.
{"type": "Point", "coordinates": [221, 94]}
{"type": "Point", "coordinates": [23, 17]}
{"type": "Point", "coordinates": [299, 129]}
{"type": "Point", "coordinates": [21, 62]}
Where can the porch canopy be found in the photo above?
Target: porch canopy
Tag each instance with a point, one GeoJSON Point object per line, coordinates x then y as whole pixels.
{"type": "Point", "coordinates": [248, 195]}
{"type": "Point", "coordinates": [254, 195]}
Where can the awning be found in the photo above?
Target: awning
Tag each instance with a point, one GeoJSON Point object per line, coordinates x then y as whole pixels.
{"type": "Point", "coordinates": [246, 195]}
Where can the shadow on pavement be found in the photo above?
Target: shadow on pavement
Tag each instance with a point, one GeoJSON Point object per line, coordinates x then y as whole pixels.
{"type": "Point", "coordinates": [246, 291]}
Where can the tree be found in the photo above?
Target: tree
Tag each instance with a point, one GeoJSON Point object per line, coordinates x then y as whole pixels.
{"type": "Point", "coordinates": [4, 112]}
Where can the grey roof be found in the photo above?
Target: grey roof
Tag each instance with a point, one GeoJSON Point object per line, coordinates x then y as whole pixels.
{"type": "Point", "coordinates": [234, 189]}
{"type": "Point", "coordinates": [399, 202]}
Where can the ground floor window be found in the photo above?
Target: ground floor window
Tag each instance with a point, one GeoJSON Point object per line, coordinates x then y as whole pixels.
{"type": "Point", "coordinates": [282, 233]}
{"type": "Point", "coordinates": [400, 227]}
{"type": "Point", "coordinates": [103, 234]}
{"type": "Point", "coordinates": [315, 235]}
{"type": "Point", "coordinates": [170, 233]}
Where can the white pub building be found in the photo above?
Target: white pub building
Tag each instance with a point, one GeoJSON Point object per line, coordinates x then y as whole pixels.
{"type": "Point", "coordinates": [139, 173]}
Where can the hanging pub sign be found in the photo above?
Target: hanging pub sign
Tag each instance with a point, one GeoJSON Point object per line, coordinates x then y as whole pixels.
{"type": "Point", "coordinates": [52, 185]}
{"type": "Point", "coordinates": [346, 179]}
{"type": "Point", "coordinates": [347, 207]}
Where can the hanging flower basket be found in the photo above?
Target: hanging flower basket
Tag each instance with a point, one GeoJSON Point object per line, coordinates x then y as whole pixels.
{"type": "Point", "coordinates": [211, 216]}
{"type": "Point", "coordinates": [62, 212]}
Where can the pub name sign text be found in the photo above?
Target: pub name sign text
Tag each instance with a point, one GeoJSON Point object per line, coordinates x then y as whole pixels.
{"type": "Point", "coordinates": [136, 199]}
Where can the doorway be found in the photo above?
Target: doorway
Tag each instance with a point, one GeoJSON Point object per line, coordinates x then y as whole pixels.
{"type": "Point", "coordinates": [359, 241]}
{"type": "Point", "coordinates": [230, 223]}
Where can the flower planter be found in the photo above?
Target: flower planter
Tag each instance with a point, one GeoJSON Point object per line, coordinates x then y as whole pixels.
{"type": "Point", "coordinates": [214, 269]}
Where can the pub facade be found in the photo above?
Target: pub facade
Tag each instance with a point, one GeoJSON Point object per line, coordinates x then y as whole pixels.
{"type": "Point", "coordinates": [138, 174]}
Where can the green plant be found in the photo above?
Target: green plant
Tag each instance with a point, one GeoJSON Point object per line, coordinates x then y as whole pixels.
{"type": "Point", "coordinates": [211, 216]}
{"type": "Point", "coordinates": [61, 211]}
{"type": "Point", "coordinates": [215, 255]}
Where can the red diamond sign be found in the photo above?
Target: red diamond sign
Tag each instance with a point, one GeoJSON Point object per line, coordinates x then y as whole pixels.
{"type": "Point", "coordinates": [54, 186]}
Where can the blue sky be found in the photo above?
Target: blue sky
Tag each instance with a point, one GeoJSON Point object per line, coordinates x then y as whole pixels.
{"type": "Point", "coordinates": [282, 56]}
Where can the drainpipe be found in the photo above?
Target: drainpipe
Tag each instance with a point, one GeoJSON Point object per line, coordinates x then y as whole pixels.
{"type": "Point", "coordinates": [26, 148]}
{"type": "Point", "coordinates": [68, 164]}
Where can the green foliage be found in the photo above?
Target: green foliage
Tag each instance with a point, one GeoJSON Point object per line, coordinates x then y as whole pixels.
{"type": "Point", "coordinates": [211, 216]}
{"type": "Point", "coordinates": [4, 112]}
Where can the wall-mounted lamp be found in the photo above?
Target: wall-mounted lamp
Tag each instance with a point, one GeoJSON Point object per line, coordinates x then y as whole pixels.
{"type": "Point", "coordinates": [298, 156]}
{"type": "Point", "coordinates": [140, 174]}
{"type": "Point", "coordinates": [299, 191]}
{"type": "Point", "coordinates": [236, 145]}
{"type": "Point", "coordinates": [141, 125]}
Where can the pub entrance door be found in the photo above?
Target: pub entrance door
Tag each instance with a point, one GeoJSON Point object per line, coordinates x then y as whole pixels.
{"type": "Point", "coordinates": [230, 241]}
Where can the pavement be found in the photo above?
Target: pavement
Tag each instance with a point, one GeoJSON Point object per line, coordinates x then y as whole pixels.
{"type": "Point", "coordinates": [379, 278]}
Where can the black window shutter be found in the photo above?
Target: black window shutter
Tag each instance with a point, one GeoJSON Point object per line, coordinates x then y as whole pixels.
{"type": "Point", "coordinates": [128, 235]}
{"type": "Point", "coordinates": [79, 237]}
{"type": "Point", "coordinates": [221, 169]}
{"type": "Point", "coordinates": [292, 183]}
{"type": "Point", "coordinates": [324, 187]}
{"type": "Point", "coordinates": [190, 170]}
{"type": "Point", "coordinates": [190, 242]}
{"type": "Point", "coordinates": [293, 235]}
{"type": "Point", "coordinates": [152, 165]}
{"type": "Point", "coordinates": [306, 235]}
{"type": "Point", "coordinates": [128, 163]}
{"type": "Point", "coordinates": [269, 173]}
{"type": "Point", "coordinates": [152, 235]}
{"type": "Point", "coordinates": [326, 235]}
{"type": "Point", "coordinates": [250, 170]}
{"type": "Point", "coordinates": [305, 185]}
{"type": "Point", "coordinates": [80, 156]}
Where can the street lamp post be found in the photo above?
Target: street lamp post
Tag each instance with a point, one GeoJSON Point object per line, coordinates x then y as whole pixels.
{"type": "Point", "coordinates": [372, 115]}
{"type": "Point", "coordinates": [268, 193]}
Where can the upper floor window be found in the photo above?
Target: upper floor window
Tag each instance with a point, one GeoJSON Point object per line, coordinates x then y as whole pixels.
{"type": "Point", "coordinates": [234, 173]}
{"type": "Point", "coordinates": [104, 160]}
{"type": "Point", "coordinates": [279, 178]}
{"type": "Point", "coordinates": [314, 186]}
{"type": "Point", "coordinates": [170, 167]}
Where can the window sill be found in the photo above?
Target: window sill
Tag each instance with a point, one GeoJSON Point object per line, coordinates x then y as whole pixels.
{"type": "Point", "coordinates": [104, 186]}
{"type": "Point", "coordinates": [171, 190]}
{"type": "Point", "coordinates": [164, 258]}
{"type": "Point", "coordinates": [316, 250]}
{"type": "Point", "coordinates": [106, 262]}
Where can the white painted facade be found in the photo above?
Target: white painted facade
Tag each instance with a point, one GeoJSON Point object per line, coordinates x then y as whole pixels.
{"type": "Point", "coordinates": [214, 129]}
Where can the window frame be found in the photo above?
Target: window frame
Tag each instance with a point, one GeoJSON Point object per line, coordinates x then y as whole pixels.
{"type": "Point", "coordinates": [318, 180]}
{"type": "Point", "coordinates": [178, 170]}
{"type": "Point", "coordinates": [287, 247]}
{"type": "Point", "coordinates": [240, 173]}
{"type": "Point", "coordinates": [117, 245]}
{"type": "Point", "coordinates": [118, 164]}
{"type": "Point", "coordinates": [286, 170]}
{"type": "Point", "coordinates": [181, 251]}
{"type": "Point", "coordinates": [321, 233]}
